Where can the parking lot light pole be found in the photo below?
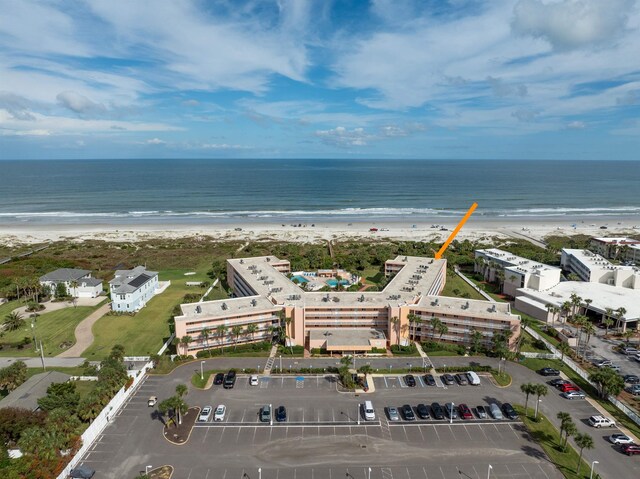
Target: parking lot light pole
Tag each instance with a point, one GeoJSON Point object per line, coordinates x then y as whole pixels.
{"type": "Point", "coordinates": [281, 364]}
{"type": "Point", "coordinates": [146, 469]}
{"type": "Point", "coordinates": [489, 471]}
{"type": "Point", "coordinates": [369, 476]}
{"type": "Point", "coordinates": [271, 415]}
{"type": "Point", "coordinates": [537, 405]}
{"type": "Point", "coordinates": [591, 475]}
{"type": "Point", "coordinates": [451, 413]}
{"type": "Point", "coordinates": [201, 371]}
{"type": "Point", "coordinates": [259, 473]}
{"type": "Point", "coordinates": [358, 413]}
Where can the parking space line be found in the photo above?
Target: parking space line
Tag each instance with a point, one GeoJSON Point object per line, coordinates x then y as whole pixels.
{"type": "Point", "coordinates": [385, 381]}
{"type": "Point", "coordinates": [222, 434]}
{"type": "Point", "coordinates": [402, 384]}
{"type": "Point", "coordinates": [422, 384]}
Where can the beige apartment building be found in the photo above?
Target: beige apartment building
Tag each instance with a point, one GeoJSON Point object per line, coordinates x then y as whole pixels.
{"type": "Point", "coordinates": [339, 321]}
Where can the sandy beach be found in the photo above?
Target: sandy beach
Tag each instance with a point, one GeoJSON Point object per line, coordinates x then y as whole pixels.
{"type": "Point", "coordinates": [476, 229]}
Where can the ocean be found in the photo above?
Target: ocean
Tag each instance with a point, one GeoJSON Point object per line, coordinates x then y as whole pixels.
{"type": "Point", "coordinates": [240, 191]}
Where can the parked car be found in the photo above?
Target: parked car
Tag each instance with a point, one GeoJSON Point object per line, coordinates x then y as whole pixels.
{"type": "Point", "coordinates": [205, 414]}
{"type": "Point", "coordinates": [568, 387]}
{"type": "Point", "coordinates": [602, 363]}
{"type": "Point", "coordinates": [620, 439]}
{"type": "Point", "coordinates": [281, 414]}
{"type": "Point", "coordinates": [495, 411]}
{"type": "Point", "coordinates": [473, 378]}
{"type": "Point", "coordinates": [152, 401]}
{"type": "Point", "coordinates": [220, 412]}
{"type": "Point", "coordinates": [481, 412]}
{"type": "Point", "coordinates": [465, 412]}
{"type": "Point", "coordinates": [253, 380]}
{"type": "Point", "coordinates": [423, 411]}
{"type": "Point", "coordinates": [219, 379]}
{"type": "Point", "coordinates": [82, 472]}
{"type": "Point", "coordinates": [633, 390]}
{"type": "Point", "coordinates": [559, 382]}
{"type": "Point", "coordinates": [548, 372]}
{"type": "Point", "coordinates": [461, 379]}
{"type": "Point", "coordinates": [631, 379]}
{"type": "Point", "coordinates": [447, 379]}
{"type": "Point", "coordinates": [369, 411]}
{"type": "Point", "coordinates": [615, 367]}
{"type": "Point", "coordinates": [393, 413]}
{"type": "Point", "coordinates": [410, 380]}
{"type": "Point", "coordinates": [408, 414]}
{"type": "Point", "coordinates": [265, 413]}
{"type": "Point", "coordinates": [509, 412]}
{"type": "Point", "coordinates": [230, 380]}
{"type": "Point", "coordinates": [437, 411]}
{"type": "Point", "coordinates": [630, 449]}
{"type": "Point", "coordinates": [630, 351]}
{"type": "Point", "coordinates": [452, 412]}
{"type": "Point", "coordinates": [429, 380]}
{"type": "Point", "coordinates": [601, 421]}
{"type": "Point", "coordinates": [573, 395]}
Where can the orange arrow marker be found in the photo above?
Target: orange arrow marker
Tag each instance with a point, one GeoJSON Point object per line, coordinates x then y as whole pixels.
{"type": "Point", "coordinates": [456, 231]}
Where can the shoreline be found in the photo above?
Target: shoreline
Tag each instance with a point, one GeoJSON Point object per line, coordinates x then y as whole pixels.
{"type": "Point", "coordinates": [436, 229]}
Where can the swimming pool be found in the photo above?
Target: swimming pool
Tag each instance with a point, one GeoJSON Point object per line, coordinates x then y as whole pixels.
{"type": "Point", "coordinates": [334, 282]}
{"type": "Point", "coordinates": [300, 279]}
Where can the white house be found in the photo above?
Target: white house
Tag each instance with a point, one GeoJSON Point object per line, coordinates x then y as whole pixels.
{"type": "Point", "coordinates": [131, 289]}
{"type": "Point", "coordinates": [85, 285]}
{"type": "Point", "coordinates": [593, 268]}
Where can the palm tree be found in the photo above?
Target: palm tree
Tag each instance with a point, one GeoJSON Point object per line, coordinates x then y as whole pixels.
{"type": "Point", "coordinates": [575, 301]}
{"type": "Point", "coordinates": [587, 303]}
{"type": "Point", "coordinates": [435, 325]}
{"type": "Point", "coordinates": [608, 322]}
{"type": "Point", "coordinates": [565, 308]}
{"type": "Point", "coordinates": [564, 348]}
{"type": "Point", "coordinates": [589, 330]}
{"type": "Point", "coordinates": [565, 418]}
{"type": "Point", "coordinates": [579, 320]}
{"type": "Point", "coordinates": [184, 342]}
{"type": "Point", "coordinates": [221, 330]}
{"type": "Point", "coordinates": [608, 381]}
{"type": "Point", "coordinates": [570, 429]}
{"type": "Point", "coordinates": [583, 441]}
{"type": "Point", "coordinates": [251, 330]}
{"type": "Point", "coordinates": [236, 331]}
{"type": "Point", "coordinates": [620, 312]}
{"type": "Point", "coordinates": [74, 295]}
{"type": "Point", "coordinates": [476, 338]}
{"type": "Point", "coordinates": [442, 329]}
{"type": "Point", "coordinates": [287, 335]}
{"type": "Point", "coordinates": [412, 319]}
{"type": "Point", "coordinates": [527, 388]}
{"type": "Point", "coordinates": [13, 321]}
{"type": "Point", "coordinates": [205, 334]}
{"type": "Point", "coordinates": [395, 321]}
{"type": "Point", "coordinates": [539, 390]}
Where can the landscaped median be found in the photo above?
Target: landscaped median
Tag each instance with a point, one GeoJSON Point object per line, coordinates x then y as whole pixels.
{"type": "Point", "coordinates": [545, 434]}
{"type": "Point", "coordinates": [178, 432]}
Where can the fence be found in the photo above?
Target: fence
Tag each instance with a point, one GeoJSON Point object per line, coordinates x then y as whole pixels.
{"type": "Point", "coordinates": [135, 359]}
{"type": "Point", "coordinates": [538, 355]}
{"type": "Point", "coordinates": [166, 344]}
{"type": "Point", "coordinates": [83, 378]}
{"type": "Point", "coordinates": [631, 414]}
{"type": "Point", "coordinates": [103, 419]}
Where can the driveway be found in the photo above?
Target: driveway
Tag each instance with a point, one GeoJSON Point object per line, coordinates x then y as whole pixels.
{"type": "Point", "coordinates": [84, 334]}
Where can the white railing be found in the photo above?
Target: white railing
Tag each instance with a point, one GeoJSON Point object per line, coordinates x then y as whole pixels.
{"type": "Point", "coordinates": [83, 378]}
{"type": "Point", "coordinates": [133, 359]}
{"type": "Point", "coordinates": [528, 354]}
{"type": "Point", "coordinates": [102, 420]}
{"type": "Point", "coordinates": [166, 344]}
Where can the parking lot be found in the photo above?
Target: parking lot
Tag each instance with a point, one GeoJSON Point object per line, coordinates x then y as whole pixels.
{"type": "Point", "coordinates": [322, 437]}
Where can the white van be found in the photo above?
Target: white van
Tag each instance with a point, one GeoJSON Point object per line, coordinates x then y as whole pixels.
{"type": "Point", "coordinates": [473, 378]}
{"type": "Point", "coordinates": [369, 412]}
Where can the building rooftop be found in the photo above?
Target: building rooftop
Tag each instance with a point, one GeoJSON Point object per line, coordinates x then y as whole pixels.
{"type": "Point", "coordinates": [603, 296]}
{"type": "Point", "coordinates": [226, 307]}
{"type": "Point", "coordinates": [516, 263]}
{"type": "Point", "coordinates": [27, 394]}
{"type": "Point", "coordinates": [65, 274]}
{"type": "Point", "coordinates": [622, 241]}
{"type": "Point", "coordinates": [90, 281]}
{"type": "Point", "coordinates": [476, 307]}
{"type": "Point", "coordinates": [592, 260]}
{"type": "Point", "coordinates": [341, 338]}
{"type": "Point", "coordinates": [129, 280]}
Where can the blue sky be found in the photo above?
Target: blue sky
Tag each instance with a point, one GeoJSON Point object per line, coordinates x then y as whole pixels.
{"type": "Point", "coordinates": [519, 79]}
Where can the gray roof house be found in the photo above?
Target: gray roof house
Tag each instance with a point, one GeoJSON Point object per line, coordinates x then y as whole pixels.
{"type": "Point", "coordinates": [65, 275]}
{"type": "Point", "coordinates": [87, 287]}
{"type": "Point", "coordinates": [27, 394]}
{"type": "Point", "coordinates": [131, 288]}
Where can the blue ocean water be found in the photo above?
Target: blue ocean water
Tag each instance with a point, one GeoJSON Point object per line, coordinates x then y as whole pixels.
{"type": "Point", "coordinates": [202, 191]}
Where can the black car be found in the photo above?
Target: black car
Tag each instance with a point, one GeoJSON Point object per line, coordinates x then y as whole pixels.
{"type": "Point", "coordinates": [423, 411]}
{"type": "Point", "coordinates": [407, 412]}
{"type": "Point", "coordinates": [429, 380]}
{"type": "Point", "coordinates": [631, 379]}
{"type": "Point", "coordinates": [509, 412]}
{"type": "Point", "coordinates": [448, 379]}
{"type": "Point", "coordinates": [437, 411]}
{"type": "Point", "coordinates": [558, 382]}
{"type": "Point", "coordinates": [82, 472]}
{"type": "Point", "coordinates": [548, 372]}
{"type": "Point", "coordinates": [281, 414]}
{"type": "Point", "coordinates": [461, 379]}
{"type": "Point", "coordinates": [230, 380]}
{"type": "Point", "coordinates": [410, 380]}
{"type": "Point", "coordinates": [219, 379]}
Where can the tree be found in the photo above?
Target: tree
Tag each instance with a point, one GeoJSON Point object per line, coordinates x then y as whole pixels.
{"type": "Point", "coordinates": [184, 341]}
{"type": "Point", "coordinates": [608, 320]}
{"type": "Point", "coordinates": [395, 321]}
{"type": "Point", "coordinates": [251, 330]}
{"type": "Point", "coordinates": [221, 330]}
{"type": "Point", "coordinates": [61, 291]}
{"type": "Point", "coordinates": [412, 321]}
{"type": "Point", "coordinates": [74, 295]}
{"type": "Point", "coordinates": [13, 321]}
{"type": "Point", "coordinates": [14, 420]}
{"type": "Point", "coordinates": [60, 396]}
{"type": "Point", "coordinates": [539, 390]}
{"type": "Point", "coordinates": [527, 389]}
{"type": "Point", "coordinates": [620, 312]}
{"type": "Point", "coordinates": [13, 376]}
{"type": "Point", "coordinates": [117, 352]}
{"type": "Point", "coordinates": [205, 334]}
{"type": "Point", "coordinates": [435, 323]}
{"type": "Point", "coordinates": [627, 335]}
{"type": "Point", "coordinates": [236, 331]}
{"type": "Point", "coordinates": [476, 340]}
{"type": "Point", "coordinates": [570, 429]}
{"type": "Point", "coordinates": [60, 433]}
{"type": "Point", "coordinates": [565, 418]}
{"type": "Point", "coordinates": [589, 330]}
{"type": "Point", "coordinates": [442, 330]}
{"type": "Point", "coordinates": [564, 348]}
{"type": "Point", "coordinates": [583, 441]}
{"type": "Point", "coordinates": [608, 381]}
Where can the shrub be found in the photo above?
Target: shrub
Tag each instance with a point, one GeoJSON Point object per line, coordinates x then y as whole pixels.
{"type": "Point", "coordinates": [378, 351]}
{"type": "Point", "coordinates": [289, 350]}
{"type": "Point", "coordinates": [400, 350]}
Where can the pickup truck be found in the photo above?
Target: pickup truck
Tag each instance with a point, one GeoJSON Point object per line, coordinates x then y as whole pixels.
{"type": "Point", "coordinates": [152, 401]}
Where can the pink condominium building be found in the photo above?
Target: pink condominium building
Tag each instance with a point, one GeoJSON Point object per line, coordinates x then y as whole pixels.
{"type": "Point", "coordinates": [339, 321]}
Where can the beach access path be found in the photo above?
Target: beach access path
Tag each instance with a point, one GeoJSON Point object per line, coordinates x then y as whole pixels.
{"type": "Point", "coordinates": [84, 334]}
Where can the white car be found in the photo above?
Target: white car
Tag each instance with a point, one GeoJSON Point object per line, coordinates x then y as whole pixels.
{"type": "Point", "coordinates": [253, 380]}
{"type": "Point", "coordinates": [620, 439]}
{"type": "Point", "coordinates": [221, 410]}
{"type": "Point", "coordinates": [205, 414]}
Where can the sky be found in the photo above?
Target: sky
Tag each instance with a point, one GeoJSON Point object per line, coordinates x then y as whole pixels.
{"type": "Point", "coordinates": [467, 79]}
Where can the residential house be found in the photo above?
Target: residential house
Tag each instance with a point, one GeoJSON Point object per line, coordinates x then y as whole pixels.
{"type": "Point", "coordinates": [78, 282]}
{"type": "Point", "coordinates": [131, 289]}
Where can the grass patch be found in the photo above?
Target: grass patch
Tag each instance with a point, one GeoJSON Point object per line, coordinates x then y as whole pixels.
{"type": "Point", "coordinates": [529, 344]}
{"type": "Point", "coordinates": [503, 379]}
{"type": "Point", "coordinates": [456, 287]}
{"type": "Point", "coordinates": [6, 308]}
{"type": "Point", "coordinates": [537, 327]}
{"type": "Point", "coordinates": [545, 434]}
{"type": "Point", "coordinates": [84, 388]}
{"type": "Point", "coordinates": [441, 352]}
{"type": "Point", "coordinates": [144, 333]}
{"type": "Point", "coordinates": [54, 329]}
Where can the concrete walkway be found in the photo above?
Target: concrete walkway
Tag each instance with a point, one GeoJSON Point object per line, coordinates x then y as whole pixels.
{"type": "Point", "coordinates": [57, 305]}
{"type": "Point", "coordinates": [83, 333]}
{"type": "Point", "coordinates": [473, 285]}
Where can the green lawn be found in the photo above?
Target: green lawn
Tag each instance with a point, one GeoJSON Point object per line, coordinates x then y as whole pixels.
{"type": "Point", "coordinates": [54, 329]}
{"type": "Point", "coordinates": [145, 332]}
{"type": "Point", "coordinates": [6, 308]}
{"type": "Point", "coordinates": [455, 282]}
{"type": "Point", "coordinates": [528, 346]}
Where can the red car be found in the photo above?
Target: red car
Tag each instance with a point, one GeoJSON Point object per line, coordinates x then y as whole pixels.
{"type": "Point", "coordinates": [630, 449]}
{"type": "Point", "coordinates": [465, 412]}
{"type": "Point", "coordinates": [569, 387]}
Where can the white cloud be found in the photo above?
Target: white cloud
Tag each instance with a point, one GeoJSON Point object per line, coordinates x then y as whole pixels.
{"type": "Point", "coordinates": [342, 137]}
{"type": "Point", "coordinates": [79, 103]}
{"type": "Point", "coordinates": [572, 23]}
{"type": "Point", "coordinates": [576, 125]}
{"type": "Point", "coordinates": [223, 146]}
{"type": "Point", "coordinates": [155, 141]}
{"type": "Point", "coordinates": [502, 89]}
